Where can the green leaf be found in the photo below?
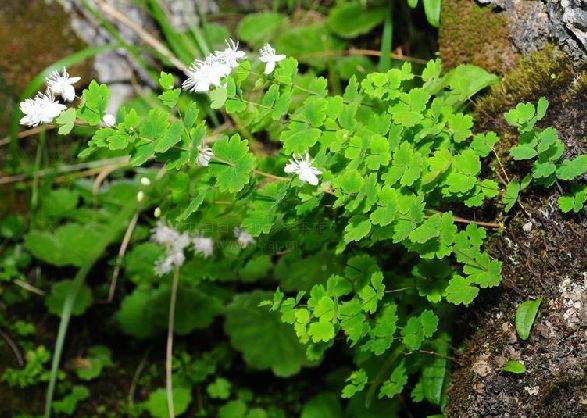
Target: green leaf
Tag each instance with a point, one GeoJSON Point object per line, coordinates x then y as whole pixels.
{"type": "Point", "coordinates": [68, 404]}
{"type": "Point", "coordinates": [234, 173]}
{"type": "Point", "coordinates": [157, 402]}
{"type": "Point", "coordinates": [93, 103]}
{"type": "Point", "coordinates": [396, 382]}
{"type": "Point", "coordinates": [264, 341]}
{"type": "Point", "coordinates": [357, 229]}
{"type": "Point", "coordinates": [191, 115]}
{"type": "Point", "coordinates": [483, 271]}
{"type": "Point", "coordinates": [166, 81]}
{"type": "Point", "coordinates": [171, 137]}
{"type": "Point", "coordinates": [514, 366]}
{"type": "Point", "coordinates": [218, 97]}
{"type": "Point", "coordinates": [219, 388]}
{"type": "Point", "coordinates": [429, 229]}
{"type": "Point", "coordinates": [571, 169]}
{"type": "Point", "coordinates": [133, 311]}
{"type": "Point", "coordinates": [460, 291]}
{"type": "Point", "coordinates": [356, 383]}
{"type": "Point", "coordinates": [467, 80]}
{"type": "Point", "coordinates": [418, 328]}
{"type": "Point", "coordinates": [381, 336]}
{"type": "Point", "coordinates": [574, 200]}
{"type": "Point", "coordinates": [170, 97]}
{"type": "Point", "coordinates": [482, 144]}
{"type": "Point", "coordinates": [349, 20]}
{"type": "Point", "coordinates": [61, 290]}
{"type": "Point", "coordinates": [460, 125]}
{"type": "Point", "coordinates": [91, 366]}
{"type": "Point", "coordinates": [66, 121]}
{"type": "Point", "coordinates": [306, 43]}
{"type": "Point", "coordinates": [387, 209]}
{"type": "Point", "coordinates": [194, 309]}
{"type": "Point", "coordinates": [432, 11]}
{"type": "Point", "coordinates": [155, 124]}
{"type": "Point", "coordinates": [322, 330]}
{"type": "Point", "coordinates": [510, 196]}
{"type": "Point", "coordinates": [256, 29]}
{"type": "Point", "coordinates": [525, 315]}
{"type": "Point", "coordinates": [299, 138]}
{"type": "Point", "coordinates": [70, 244]}
{"type": "Point", "coordinates": [323, 405]}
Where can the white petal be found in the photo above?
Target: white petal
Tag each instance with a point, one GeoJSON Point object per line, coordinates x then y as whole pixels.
{"type": "Point", "coordinates": [68, 93]}
{"type": "Point", "coordinates": [309, 177]}
{"type": "Point", "coordinates": [291, 168]}
{"type": "Point", "coordinates": [269, 67]}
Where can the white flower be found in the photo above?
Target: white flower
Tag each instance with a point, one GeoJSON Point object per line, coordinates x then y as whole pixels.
{"type": "Point", "coordinates": [204, 155]}
{"type": "Point", "coordinates": [140, 196]}
{"type": "Point", "coordinates": [231, 54]}
{"type": "Point", "coordinates": [109, 120]}
{"type": "Point", "coordinates": [145, 181]}
{"type": "Point", "coordinates": [175, 244]}
{"type": "Point", "coordinates": [203, 246]}
{"type": "Point", "coordinates": [43, 108]}
{"type": "Point", "coordinates": [171, 261]}
{"type": "Point", "coordinates": [169, 237]}
{"type": "Point", "coordinates": [203, 74]}
{"type": "Point", "coordinates": [62, 84]}
{"type": "Point", "coordinates": [269, 58]}
{"type": "Point", "coordinates": [243, 237]}
{"type": "Point", "coordinates": [157, 212]}
{"type": "Point", "coordinates": [304, 169]}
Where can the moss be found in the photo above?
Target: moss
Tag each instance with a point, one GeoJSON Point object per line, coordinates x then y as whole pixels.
{"type": "Point", "coordinates": [473, 34]}
{"type": "Point", "coordinates": [548, 73]}
{"type": "Point", "coordinates": [33, 35]}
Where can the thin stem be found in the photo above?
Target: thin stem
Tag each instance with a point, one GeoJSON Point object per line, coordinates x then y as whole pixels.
{"type": "Point", "coordinates": [365, 52]}
{"type": "Point", "coordinates": [135, 378]}
{"type": "Point", "coordinates": [13, 347]}
{"type": "Point", "coordinates": [29, 287]}
{"type": "Point", "coordinates": [121, 252]}
{"type": "Point", "coordinates": [27, 133]}
{"type": "Point", "coordinates": [169, 350]}
{"type": "Point", "coordinates": [119, 162]}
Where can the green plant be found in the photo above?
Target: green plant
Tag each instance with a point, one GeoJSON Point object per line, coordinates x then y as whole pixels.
{"type": "Point", "coordinates": [68, 404]}
{"type": "Point", "coordinates": [392, 155]}
{"type": "Point", "coordinates": [546, 150]}
{"type": "Point", "coordinates": [34, 371]}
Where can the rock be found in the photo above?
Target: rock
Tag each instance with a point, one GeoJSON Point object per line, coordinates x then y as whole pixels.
{"type": "Point", "coordinates": [550, 261]}
{"type": "Point", "coordinates": [517, 28]}
{"type": "Point", "coordinates": [33, 36]}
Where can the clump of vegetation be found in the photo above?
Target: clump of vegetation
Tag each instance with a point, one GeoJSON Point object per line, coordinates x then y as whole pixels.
{"type": "Point", "coordinates": [280, 222]}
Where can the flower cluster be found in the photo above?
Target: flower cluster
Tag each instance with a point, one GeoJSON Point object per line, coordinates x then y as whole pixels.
{"type": "Point", "coordinates": [176, 243]}
{"type": "Point", "coordinates": [203, 74]}
{"type": "Point", "coordinates": [44, 107]}
{"type": "Point", "coordinates": [219, 64]}
{"type": "Point", "coordinates": [243, 237]}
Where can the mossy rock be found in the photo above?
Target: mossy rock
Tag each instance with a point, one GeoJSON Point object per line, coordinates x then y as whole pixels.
{"type": "Point", "coordinates": [537, 261]}
{"type": "Point", "coordinates": [33, 35]}
{"type": "Point", "coordinates": [474, 34]}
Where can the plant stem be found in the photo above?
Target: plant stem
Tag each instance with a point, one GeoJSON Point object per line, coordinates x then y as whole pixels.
{"type": "Point", "coordinates": [169, 350]}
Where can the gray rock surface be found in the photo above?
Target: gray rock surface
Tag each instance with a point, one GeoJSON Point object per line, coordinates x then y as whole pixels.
{"type": "Point", "coordinates": [116, 67]}
{"type": "Point", "coordinates": [532, 23]}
